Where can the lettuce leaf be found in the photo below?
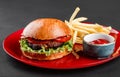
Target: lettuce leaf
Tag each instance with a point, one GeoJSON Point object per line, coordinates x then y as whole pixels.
{"type": "Point", "coordinates": [66, 46]}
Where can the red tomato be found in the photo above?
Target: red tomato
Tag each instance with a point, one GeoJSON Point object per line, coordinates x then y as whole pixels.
{"type": "Point", "coordinates": [63, 39]}
{"type": "Point", "coordinates": [34, 41]}
{"type": "Point", "coordinates": [59, 39]}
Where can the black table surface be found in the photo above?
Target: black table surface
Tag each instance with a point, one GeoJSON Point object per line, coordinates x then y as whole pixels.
{"type": "Point", "coordinates": [16, 14]}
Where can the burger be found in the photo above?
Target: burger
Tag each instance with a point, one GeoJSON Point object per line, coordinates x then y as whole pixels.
{"type": "Point", "coordinates": [46, 39]}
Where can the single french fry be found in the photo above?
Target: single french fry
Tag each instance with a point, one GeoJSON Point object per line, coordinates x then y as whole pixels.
{"type": "Point", "coordinates": [74, 14]}
{"type": "Point", "coordinates": [79, 19]}
{"type": "Point", "coordinates": [74, 37]}
{"type": "Point", "coordinates": [75, 54]}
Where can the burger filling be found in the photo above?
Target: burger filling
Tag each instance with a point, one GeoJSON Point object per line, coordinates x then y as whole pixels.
{"type": "Point", "coordinates": [46, 47]}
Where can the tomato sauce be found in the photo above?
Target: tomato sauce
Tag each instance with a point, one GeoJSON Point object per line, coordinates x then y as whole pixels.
{"type": "Point", "coordinates": [99, 41]}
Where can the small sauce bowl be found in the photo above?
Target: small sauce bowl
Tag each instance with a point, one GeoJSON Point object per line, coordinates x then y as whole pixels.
{"type": "Point", "coordinates": [98, 50]}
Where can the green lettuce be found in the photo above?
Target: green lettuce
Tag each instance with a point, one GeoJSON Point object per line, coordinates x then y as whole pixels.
{"type": "Point", "coordinates": [66, 46]}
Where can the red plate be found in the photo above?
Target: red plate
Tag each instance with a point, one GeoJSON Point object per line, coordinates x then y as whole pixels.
{"type": "Point", "coordinates": [12, 48]}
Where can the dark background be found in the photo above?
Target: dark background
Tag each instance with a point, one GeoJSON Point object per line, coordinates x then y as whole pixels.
{"type": "Point", "coordinates": [16, 14]}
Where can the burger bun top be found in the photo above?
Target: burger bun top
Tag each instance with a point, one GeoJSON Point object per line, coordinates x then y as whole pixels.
{"type": "Point", "coordinates": [46, 29]}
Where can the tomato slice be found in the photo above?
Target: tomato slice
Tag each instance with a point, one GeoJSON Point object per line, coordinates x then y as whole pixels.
{"type": "Point", "coordinates": [34, 41]}
{"type": "Point", "coordinates": [63, 39]}
{"type": "Point", "coordinates": [59, 39]}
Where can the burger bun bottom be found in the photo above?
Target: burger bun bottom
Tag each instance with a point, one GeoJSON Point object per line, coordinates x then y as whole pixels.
{"type": "Point", "coordinates": [37, 56]}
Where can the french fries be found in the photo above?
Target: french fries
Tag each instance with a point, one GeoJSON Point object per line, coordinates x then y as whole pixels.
{"type": "Point", "coordinates": [81, 29]}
